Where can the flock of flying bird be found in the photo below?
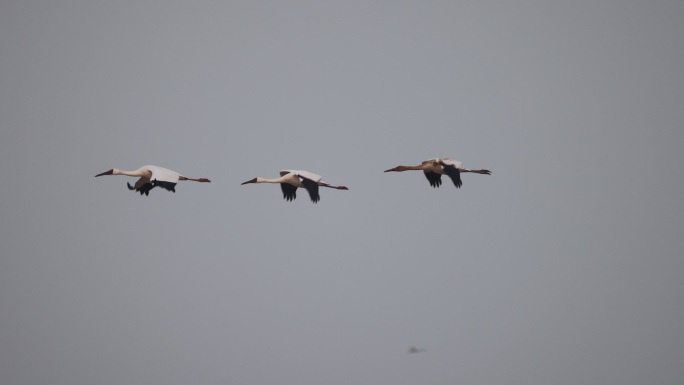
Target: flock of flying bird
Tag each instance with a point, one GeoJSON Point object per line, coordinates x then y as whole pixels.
{"type": "Point", "coordinates": [290, 180]}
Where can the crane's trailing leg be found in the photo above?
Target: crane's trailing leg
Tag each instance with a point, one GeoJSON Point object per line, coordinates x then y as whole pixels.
{"type": "Point", "coordinates": [203, 180]}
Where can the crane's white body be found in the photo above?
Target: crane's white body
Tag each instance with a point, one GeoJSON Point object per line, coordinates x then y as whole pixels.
{"type": "Point", "coordinates": [292, 177]}
{"type": "Point", "coordinates": [152, 176]}
{"type": "Point", "coordinates": [290, 180]}
{"type": "Point", "coordinates": [439, 162]}
{"type": "Point", "coordinates": [149, 173]}
{"type": "Point", "coordinates": [296, 177]}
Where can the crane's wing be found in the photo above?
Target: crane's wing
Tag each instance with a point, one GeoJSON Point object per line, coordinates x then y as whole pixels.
{"type": "Point", "coordinates": [434, 178]}
{"type": "Point", "coordinates": [142, 185]}
{"type": "Point", "coordinates": [289, 191]}
{"type": "Point", "coordinates": [453, 173]}
{"type": "Point", "coordinates": [308, 175]}
{"type": "Point", "coordinates": [447, 161]}
{"type": "Point", "coordinates": [164, 178]}
{"type": "Point", "coordinates": [303, 174]}
{"type": "Point", "coordinates": [165, 185]}
{"type": "Point", "coordinates": [311, 187]}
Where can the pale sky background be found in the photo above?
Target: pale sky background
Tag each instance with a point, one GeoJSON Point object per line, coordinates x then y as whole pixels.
{"type": "Point", "coordinates": [564, 267]}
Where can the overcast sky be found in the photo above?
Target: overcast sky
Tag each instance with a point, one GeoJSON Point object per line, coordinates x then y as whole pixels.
{"type": "Point", "coordinates": [563, 267]}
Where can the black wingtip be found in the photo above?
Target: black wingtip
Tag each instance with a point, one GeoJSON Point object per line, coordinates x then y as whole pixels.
{"type": "Point", "coordinates": [434, 178]}
{"type": "Point", "coordinates": [289, 191]}
{"type": "Point", "coordinates": [454, 174]}
{"type": "Point", "coordinates": [170, 186]}
{"type": "Point", "coordinates": [144, 189]}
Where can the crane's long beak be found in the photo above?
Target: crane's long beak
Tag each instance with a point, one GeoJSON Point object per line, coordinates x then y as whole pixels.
{"type": "Point", "coordinates": [110, 172]}
{"type": "Point", "coordinates": [250, 181]}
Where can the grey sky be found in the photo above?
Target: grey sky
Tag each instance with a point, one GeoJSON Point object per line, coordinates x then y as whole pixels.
{"type": "Point", "coordinates": [564, 267]}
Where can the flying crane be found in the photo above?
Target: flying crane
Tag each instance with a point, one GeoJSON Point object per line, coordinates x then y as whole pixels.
{"type": "Point", "coordinates": [290, 180]}
{"type": "Point", "coordinates": [436, 167]}
{"type": "Point", "coordinates": [151, 177]}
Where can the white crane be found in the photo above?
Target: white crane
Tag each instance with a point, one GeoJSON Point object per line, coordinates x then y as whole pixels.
{"type": "Point", "coordinates": [151, 177]}
{"type": "Point", "coordinates": [290, 180]}
{"type": "Point", "coordinates": [436, 167]}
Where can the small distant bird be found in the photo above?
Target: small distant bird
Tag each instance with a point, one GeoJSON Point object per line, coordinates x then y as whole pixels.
{"type": "Point", "coordinates": [436, 167]}
{"type": "Point", "coordinates": [151, 177]}
{"type": "Point", "coordinates": [290, 180]}
{"type": "Point", "coordinates": [414, 349]}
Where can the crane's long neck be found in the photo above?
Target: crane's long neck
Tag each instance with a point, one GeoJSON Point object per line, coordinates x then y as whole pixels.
{"type": "Point", "coordinates": [266, 180]}
{"type": "Point", "coordinates": [138, 172]}
{"type": "Point", "coordinates": [408, 168]}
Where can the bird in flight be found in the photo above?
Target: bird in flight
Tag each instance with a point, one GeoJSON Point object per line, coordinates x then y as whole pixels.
{"type": "Point", "coordinates": [151, 177]}
{"type": "Point", "coordinates": [436, 167]}
{"type": "Point", "coordinates": [290, 180]}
